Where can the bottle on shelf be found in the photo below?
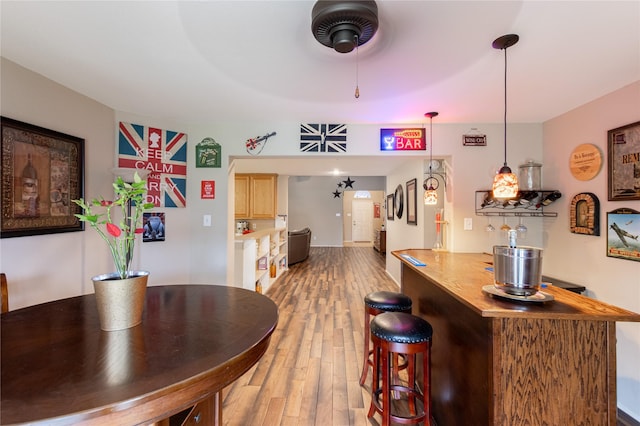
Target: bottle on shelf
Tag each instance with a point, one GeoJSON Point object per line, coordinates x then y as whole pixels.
{"type": "Point", "coordinates": [488, 200]}
{"type": "Point", "coordinates": [527, 197]}
{"type": "Point", "coordinates": [550, 198]}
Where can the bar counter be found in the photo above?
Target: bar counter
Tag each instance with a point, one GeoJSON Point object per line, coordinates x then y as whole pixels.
{"type": "Point", "coordinates": [502, 362]}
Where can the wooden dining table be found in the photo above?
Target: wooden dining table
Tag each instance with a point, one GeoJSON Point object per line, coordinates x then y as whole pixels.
{"type": "Point", "coordinates": [59, 368]}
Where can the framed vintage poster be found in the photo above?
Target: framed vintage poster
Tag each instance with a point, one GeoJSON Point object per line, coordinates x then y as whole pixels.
{"type": "Point", "coordinates": [42, 171]}
{"type": "Point", "coordinates": [624, 162]}
{"type": "Point", "coordinates": [584, 214]}
{"type": "Point", "coordinates": [411, 202]}
{"type": "Point", "coordinates": [389, 206]}
{"type": "Point", "coordinates": [623, 229]}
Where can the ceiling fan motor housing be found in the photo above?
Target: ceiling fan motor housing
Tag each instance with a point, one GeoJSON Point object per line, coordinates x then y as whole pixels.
{"type": "Point", "coordinates": [343, 24]}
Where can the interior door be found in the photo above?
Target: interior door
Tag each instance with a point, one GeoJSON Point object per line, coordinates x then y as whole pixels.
{"type": "Point", "coordinates": [361, 214]}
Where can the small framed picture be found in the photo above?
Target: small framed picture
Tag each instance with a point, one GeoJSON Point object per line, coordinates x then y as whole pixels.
{"type": "Point", "coordinates": [390, 207]}
{"type": "Point", "coordinates": [623, 229]}
{"type": "Point", "coordinates": [153, 226]}
{"type": "Point", "coordinates": [585, 214]}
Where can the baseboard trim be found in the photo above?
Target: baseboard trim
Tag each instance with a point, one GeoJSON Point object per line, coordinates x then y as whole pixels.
{"type": "Point", "coordinates": [626, 420]}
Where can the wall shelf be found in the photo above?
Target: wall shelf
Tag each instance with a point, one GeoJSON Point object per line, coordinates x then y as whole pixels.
{"type": "Point", "coordinates": [524, 205]}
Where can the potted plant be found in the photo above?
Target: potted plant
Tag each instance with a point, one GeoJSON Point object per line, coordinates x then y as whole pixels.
{"type": "Point", "coordinates": [119, 295]}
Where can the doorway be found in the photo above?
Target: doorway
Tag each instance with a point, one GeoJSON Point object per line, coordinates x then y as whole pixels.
{"type": "Point", "coordinates": [361, 214]}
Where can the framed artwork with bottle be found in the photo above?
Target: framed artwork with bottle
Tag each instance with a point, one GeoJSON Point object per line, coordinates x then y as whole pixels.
{"type": "Point", "coordinates": [42, 171]}
{"type": "Point", "coordinates": [624, 162]}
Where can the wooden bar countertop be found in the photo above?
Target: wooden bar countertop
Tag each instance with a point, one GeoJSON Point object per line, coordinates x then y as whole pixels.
{"type": "Point", "coordinates": [463, 275]}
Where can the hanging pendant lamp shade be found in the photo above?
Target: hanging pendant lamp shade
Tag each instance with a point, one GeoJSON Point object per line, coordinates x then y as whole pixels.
{"type": "Point", "coordinates": [430, 197]}
{"type": "Point", "coordinates": [505, 183]}
{"type": "Point", "coordinates": [430, 193]}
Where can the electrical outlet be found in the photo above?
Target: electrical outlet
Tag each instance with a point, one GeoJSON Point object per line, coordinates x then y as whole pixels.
{"type": "Point", "coordinates": [468, 224]}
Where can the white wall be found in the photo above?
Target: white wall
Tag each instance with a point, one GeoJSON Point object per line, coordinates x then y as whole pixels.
{"type": "Point", "coordinates": [48, 267]}
{"type": "Point", "coordinates": [581, 258]}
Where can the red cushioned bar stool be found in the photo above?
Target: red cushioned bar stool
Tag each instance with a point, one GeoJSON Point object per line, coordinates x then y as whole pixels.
{"type": "Point", "coordinates": [395, 333]}
{"type": "Point", "coordinates": [374, 304]}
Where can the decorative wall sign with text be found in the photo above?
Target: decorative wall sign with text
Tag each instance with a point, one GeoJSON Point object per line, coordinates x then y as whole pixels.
{"type": "Point", "coordinates": [208, 153]}
{"type": "Point", "coordinates": [474, 138]}
{"type": "Point", "coordinates": [323, 138]}
{"type": "Point", "coordinates": [164, 154]}
{"type": "Point", "coordinates": [208, 189]}
{"type": "Point", "coordinates": [623, 229]}
{"type": "Point", "coordinates": [412, 139]}
{"type": "Point", "coordinates": [585, 161]}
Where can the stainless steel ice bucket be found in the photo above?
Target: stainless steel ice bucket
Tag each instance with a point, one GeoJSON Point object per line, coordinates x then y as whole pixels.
{"type": "Point", "coordinates": [517, 270]}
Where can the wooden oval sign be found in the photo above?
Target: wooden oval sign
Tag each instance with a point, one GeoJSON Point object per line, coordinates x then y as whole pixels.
{"type": "Point", "coordinates": [585, 161]}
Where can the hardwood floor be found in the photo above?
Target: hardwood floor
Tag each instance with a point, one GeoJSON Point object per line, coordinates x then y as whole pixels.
{"type": "Point", "coordinates": [309, 375]}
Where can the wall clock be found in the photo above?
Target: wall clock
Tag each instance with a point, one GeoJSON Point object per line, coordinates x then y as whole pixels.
{"type": "Point", "coordinates": [399, 201]}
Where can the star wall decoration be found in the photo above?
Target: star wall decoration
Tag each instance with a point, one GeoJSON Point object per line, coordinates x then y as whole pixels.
{"type": "Point", "coordinates": [348, 183]}
{"type": "Point", "coordinates": [339, 184]}
{"type": "Point", "coordinates": [336, 194]}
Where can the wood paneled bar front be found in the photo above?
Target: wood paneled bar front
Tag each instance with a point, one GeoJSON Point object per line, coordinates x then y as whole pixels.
{"type": "Point", "coordinates": [502, 362]}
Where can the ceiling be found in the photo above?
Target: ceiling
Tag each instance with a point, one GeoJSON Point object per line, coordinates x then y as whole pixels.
{"type": "Point", "coordinates": [222, 61]}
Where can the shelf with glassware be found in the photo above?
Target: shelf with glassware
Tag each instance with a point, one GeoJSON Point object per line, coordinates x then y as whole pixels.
{"type": "Point", "coordinates": [527, 203]}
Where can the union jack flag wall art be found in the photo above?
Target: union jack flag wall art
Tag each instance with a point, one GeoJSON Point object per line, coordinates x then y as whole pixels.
{"type": "Point", "coordinates": [323, 138]}
{"type": "Point", "coordinates": [164, 154]}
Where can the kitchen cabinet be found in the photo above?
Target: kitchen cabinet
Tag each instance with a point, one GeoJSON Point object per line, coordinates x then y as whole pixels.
{"type": "Point", "coordinates": [255, 196]}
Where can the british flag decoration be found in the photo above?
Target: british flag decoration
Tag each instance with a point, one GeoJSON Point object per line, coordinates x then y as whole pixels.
{"type": "Point", "coordinates": [323, 137]}
{"type": "Point", "coordinates": [161, 152]}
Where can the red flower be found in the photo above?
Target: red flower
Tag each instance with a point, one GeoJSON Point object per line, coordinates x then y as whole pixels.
{"type": "Point", "coordinates": [105, 203]}
{"type": "Point", "coordinates": [113, 230]}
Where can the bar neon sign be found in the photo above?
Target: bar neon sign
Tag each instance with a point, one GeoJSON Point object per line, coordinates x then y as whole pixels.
{"type": "Point", "coordinates": [403, 140]}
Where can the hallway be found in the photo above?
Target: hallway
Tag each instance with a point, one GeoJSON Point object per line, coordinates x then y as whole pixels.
{"type": "Point", "coordinates": [309, 375]}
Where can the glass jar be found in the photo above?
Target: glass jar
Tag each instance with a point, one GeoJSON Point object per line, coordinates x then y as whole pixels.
{"type": "Point", "coordinates": [530, 178]}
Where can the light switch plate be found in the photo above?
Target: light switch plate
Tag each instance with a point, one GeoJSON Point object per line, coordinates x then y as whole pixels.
{"type": "Point", "coordinates": [468, 224]}
{"type": "Point", "coordinates": [206, 220]}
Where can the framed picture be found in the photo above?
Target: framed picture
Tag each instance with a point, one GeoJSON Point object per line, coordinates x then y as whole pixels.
{"type": "Point", "coordinates": [153, 227]}
{"type": "Point", "coordinates": [624, 162]}
{"type": "Point", "coordinates": [42, 171]}
{"type": "Point", "coordinates": [623, 229]}
{"type": "Point", "coordinates": [584, 214]}
{"type": "Point", "coordinates": [411, 202]}
{"type": "Point", "coordinates": [389, 206]}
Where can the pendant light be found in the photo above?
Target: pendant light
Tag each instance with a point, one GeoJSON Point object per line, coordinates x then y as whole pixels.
{"type": "Point", "coordinates": [505, 183]}
{"type": "Point", "coordinates": [430, 193]}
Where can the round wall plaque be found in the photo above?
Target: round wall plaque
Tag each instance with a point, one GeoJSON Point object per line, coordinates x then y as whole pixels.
{"type": "Point", "coordinates": [585, 161]}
